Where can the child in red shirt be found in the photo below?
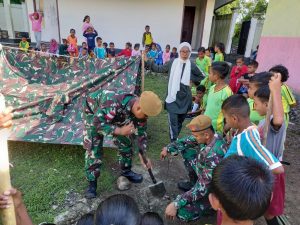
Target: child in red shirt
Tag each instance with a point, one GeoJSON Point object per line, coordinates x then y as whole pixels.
{"type": "Point", "coordinates": [127, 51]}
{"type": "Point", "coordinates": [237, 71]}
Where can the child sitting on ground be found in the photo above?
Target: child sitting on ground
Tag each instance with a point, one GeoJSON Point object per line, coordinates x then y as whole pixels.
{"type": "Point", "coordinates": [91, 54]}
{"type": "Point", "coordinates": [219, 49]}
{"type": "Point", "coordinates": [99, 51]}
{"type": "Point", "coordinates": [288, 99]}
{"type": "Point", "coordinates": [152, 54]}
{"type": "Point", "coordinates": [236, 73]}
{"type": "Point", "coordinates": [84, 53]}
{"type": "Point", "coordinates": [90, 34]}
{"type": "Point", "coordinates": [43, 51]}
{"type": "Point", "coordinates": [111, 51]}
{"type": "Point", "coordinates": [136, 50]}
{"type": "Point", "coordinates": [63, 48]}
{"type": "Point", "coordinates": [174, 53]}
{"type": "Point", "coordinates": [217, 94]}
{"type": "Point", "coordinates": [72, 41]}
{"type": "Point", "coordinates": [53, 47]}
{"type": "Point", "coordinates": [274, 140]}
{"type": "Point", "coordinates": [243, 82]}
{"type": "Point", "coordinates": [166, 54]}
{"type": "Point", "coordinates": [24, 44]}
{"type": "Point", "coordinates": [241, 189]}
{"type": "Point", "coordinates": [83, 45]}
{"type": "Point", "coordinates": [127, 51]}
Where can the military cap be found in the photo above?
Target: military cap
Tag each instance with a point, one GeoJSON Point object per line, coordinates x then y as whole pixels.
{"type": "Point", "coordinates": [150, 103]}
{"type": "Point", "coordinates": [199, 123]}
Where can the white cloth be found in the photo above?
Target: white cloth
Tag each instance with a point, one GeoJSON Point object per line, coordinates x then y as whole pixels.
{"type": "Point", "coordinates": [175, 74]}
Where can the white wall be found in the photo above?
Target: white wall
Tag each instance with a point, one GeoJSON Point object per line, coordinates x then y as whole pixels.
{"type": "Point", "coordinates": [50, 21]}
{"type": "Point", "coordinates": [124, 20]}
{"type": "Point", "coordinates": [17, 18]}
{"type": "Point", "coordinates": [257, 35]}
{"type": "Point", "coordinates": [208, 22]}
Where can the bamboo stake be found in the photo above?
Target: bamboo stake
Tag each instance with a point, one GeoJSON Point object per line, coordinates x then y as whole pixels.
{"type": "Point", "coordinates": [143, 71]}
{"type": "Point", "coordinates": [8, 215]}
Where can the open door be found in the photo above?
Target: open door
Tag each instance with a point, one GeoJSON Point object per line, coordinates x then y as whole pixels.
{"type": "Point", "coordinates": [188, 24]}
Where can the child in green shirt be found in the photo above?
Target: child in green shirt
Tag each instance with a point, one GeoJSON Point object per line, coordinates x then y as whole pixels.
{"type": "Point", "coordinates": [219, 49]}
{"type": "Point", "coordinates": [24, 44]}
{"type": "Point", "coordinates": [217, 94]}
{"type": "Point", "coordinates": [203, 62]}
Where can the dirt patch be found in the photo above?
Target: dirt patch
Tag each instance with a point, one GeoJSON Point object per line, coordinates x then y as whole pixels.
{"type": "Point", "coordinates": [172, 172]}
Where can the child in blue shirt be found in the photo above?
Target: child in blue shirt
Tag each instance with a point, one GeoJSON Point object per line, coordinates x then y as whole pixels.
{"type": "Point", "coordinates": [100, 51]}
{"type": "Point", "coordinates": [90, 34]}
{"type": "Point", "coordinates": [152, 54]}
{"type": "Point", "coordinates": [246, 141]}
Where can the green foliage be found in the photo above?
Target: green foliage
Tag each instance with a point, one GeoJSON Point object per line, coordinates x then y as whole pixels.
{"type": "Point", "coordinates": [227, 9]}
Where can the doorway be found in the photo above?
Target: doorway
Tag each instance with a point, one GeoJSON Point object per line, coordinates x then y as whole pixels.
{"type": "Point", "coordinates": [188, 24]}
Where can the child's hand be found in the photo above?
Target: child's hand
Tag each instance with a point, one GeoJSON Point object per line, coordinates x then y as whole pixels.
{"type": "Point", "coordinates": [275, 82]}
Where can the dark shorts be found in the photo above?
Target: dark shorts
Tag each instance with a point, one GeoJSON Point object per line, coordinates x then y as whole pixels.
{"type": "Point", "coordinates": [276, 207]}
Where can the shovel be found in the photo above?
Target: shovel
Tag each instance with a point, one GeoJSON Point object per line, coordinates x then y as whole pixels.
{"type": "Point", "coordinates": [157, 188]}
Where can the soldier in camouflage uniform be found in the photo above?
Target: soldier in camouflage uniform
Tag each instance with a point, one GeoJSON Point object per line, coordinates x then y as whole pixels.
{"type": "Point", "coordinates": [202, 151]}
{"type": "Point", "coordinates": [122, 116]}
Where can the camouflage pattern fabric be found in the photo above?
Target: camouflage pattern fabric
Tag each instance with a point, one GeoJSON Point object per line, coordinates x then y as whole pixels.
{"type": "Point", "coordinates": [104, 111]}
{"type": "Point", "coordinates": [47, 91]}
{"type": "Point", "coordinates": [203, 159]}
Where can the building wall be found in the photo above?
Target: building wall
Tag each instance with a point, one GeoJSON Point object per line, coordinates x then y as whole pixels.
{"type": "Point", "coordinates": [280, 41]}
{"type": "Point", "coordinates": [17, 18]}
{"type": "Point", "coordinates": [124, 20]}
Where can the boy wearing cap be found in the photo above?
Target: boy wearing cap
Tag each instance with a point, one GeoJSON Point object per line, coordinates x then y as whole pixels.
{"type": "Point", "coordinates": [201, 151]}
{"type": "Point", "coordinates": [123, 116]}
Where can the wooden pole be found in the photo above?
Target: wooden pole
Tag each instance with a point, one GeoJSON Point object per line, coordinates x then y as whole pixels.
{"type": "Point", "coordinates": [8, 215]}
{"type": "Point", "coordinates": [143, 71]}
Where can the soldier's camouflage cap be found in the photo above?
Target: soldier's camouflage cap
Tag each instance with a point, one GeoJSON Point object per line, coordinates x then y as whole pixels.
{"type": "Point", "coordinates": [150, 103]}
{"type": "Point", "coordinates": [199, 123]}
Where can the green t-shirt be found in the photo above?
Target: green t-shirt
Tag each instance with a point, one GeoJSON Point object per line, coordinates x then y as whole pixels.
{"type": "Point", "coordinates": [254, 115]}
{"type": "Point", "coordinates": [213, 109]}
{"type": "Point", "coordinates": [203, 64]}
{"type": "Point", "coordinates": [219, 57]}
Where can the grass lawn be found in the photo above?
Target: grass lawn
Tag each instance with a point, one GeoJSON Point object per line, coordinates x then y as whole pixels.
{"type": "Point", "coordinates": [47, 173]}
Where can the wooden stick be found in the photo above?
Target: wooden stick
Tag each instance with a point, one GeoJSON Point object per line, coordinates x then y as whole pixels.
{"type": "Point", "coordinates": [268, 119]}
{"type": "Point", "coordinates": [8, 215]}
{"type": "Point", "coordinates": [143, 71]}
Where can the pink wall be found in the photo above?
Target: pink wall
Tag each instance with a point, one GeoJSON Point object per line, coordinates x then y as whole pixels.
{"type": "Point", "coordinates": [281, 50]}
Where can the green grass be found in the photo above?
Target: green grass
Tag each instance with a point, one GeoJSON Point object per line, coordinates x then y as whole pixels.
{"type": "Point", "coordinates": [46, 173]}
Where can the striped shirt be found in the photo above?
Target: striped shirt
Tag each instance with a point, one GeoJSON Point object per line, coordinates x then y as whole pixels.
{"type": "Point", "coordinates": [248, 144]}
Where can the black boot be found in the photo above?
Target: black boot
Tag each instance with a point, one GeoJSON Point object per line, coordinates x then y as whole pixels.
{"type": "Point", "coordinates": [91, 190]}
{"type": "Point", "coordinates": [187, 185]}
{"type": "Point", "coordinates": [273, 221]}
{"type": "Point", "coordinates": [132, 176]}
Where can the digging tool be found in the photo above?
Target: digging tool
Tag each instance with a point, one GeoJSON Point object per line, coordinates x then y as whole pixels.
{"type": "Point", "coordinates": [157, 188]}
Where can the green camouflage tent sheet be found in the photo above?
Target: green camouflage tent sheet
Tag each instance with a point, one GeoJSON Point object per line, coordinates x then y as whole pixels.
{"type": "Point", "coordinates": [46, 92]}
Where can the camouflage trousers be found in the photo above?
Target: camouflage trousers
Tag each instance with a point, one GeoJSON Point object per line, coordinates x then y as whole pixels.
{"type": "Point", "coordinates": [199, 208]}
{"type": "Point", "coordinates": [94, 153]}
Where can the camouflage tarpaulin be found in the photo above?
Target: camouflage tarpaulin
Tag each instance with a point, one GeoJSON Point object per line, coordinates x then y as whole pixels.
{"type": "Point", "coordinates": [46, 92]}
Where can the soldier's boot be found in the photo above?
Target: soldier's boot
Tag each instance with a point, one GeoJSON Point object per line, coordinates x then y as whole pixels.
{"type": "Point", "coordinates": [132, 176]}
{"type": "Point", "coordinates": [187, 185]}
{"type": "Point", "coordinates": [91, 191]}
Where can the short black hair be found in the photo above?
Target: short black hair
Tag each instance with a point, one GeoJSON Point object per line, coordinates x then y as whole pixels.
{"type": "Point", "coordinates": [98, 38]}
{"type": "Point", "coordinates": [147, 26]}
{"type": "Point", "coordinates": [241, 57]}
{"type": "Point", "coordinates": [111, 43]}
{"type": "Point", "coordinates": [136, 45]}
{"type": "Point", "coordinates": [201, 88]}
{"type": "Point", "coordinates": [87, 219]}
{"type": "Point", "coordinates": [253, 63]}
{"type": "Point", "coordinates": [129, 44]}
{"type": "Point", "coordinates": [196, 83]}
{"type": "Point", "coordinates": [115, 208]}
{"type": "Point", "coordinates": [151, 218]}
{"type": "Point", "coordinates": [105, 44]}
{"type": "Point", "coordinates": [282, 70]}
{"type": "Point", "coordinates": [221, 68]}
{"type": "Point", "coordinates": [237, 105]}
{"type": "Point", "coordinates": [72, 29]}
{"type": "Point", "coordinates": [87, 16]}
{"type": "Point", "coordinates": [221, 46]}
{"type": "Point", "coordinates": [64, 40]}
{"type": "Point", "coordinates": [201, 49]}
{"type": "Point", "coordinates": [261, 79]}
{"type": "Point", "coordinates": [207, 49]}
{"type": "Point", "coordinates": [85, 48]}
{"type": "Point", "coordinates": [263, 93]}
{"type": "Point", "coordinates": [243, 187]}
{"type": "Point", "coordinates": [174, 48]}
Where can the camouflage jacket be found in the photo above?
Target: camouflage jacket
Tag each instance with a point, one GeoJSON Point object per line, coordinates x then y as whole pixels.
{"type": "Point", "coordinates": [113, 109]}
{"type": "Point", "coordinates": [207, 159]}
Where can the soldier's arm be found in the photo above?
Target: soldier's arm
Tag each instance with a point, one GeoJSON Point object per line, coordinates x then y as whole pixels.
{"type": "Point", "coordinates": [176, 147]}
{"type": "Point", "coordinates": [200, 189]}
